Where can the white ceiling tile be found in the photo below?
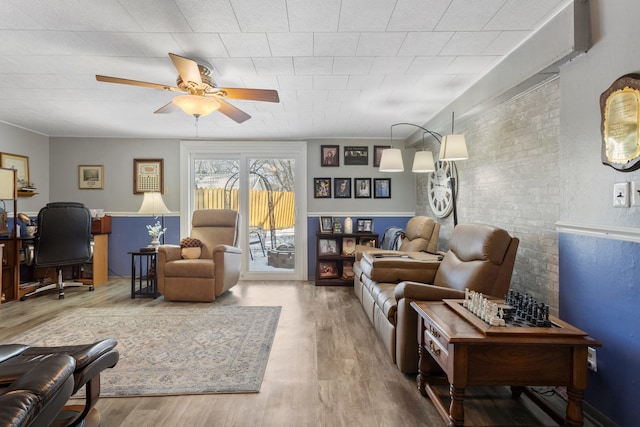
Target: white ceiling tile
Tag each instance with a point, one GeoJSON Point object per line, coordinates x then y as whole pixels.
{"type": "Point", "coordinates": [295, 82]}
{"type": "Point", "coordinates": [422, 43]}
{"type": "Point", "coordinates": [330, 82]}
{"type": "Point", "coordinates": [291, 44]}
{"type": "Point", "coordinates": [12, 17]}
{"type": "Point", "coordinates": [469, 42]}
{"type": "Point", "coordinates": [231, 67]}
{"type": "Point", "coordinates": [511, 18]}
{"type": "Point", "coordinates": [43, 43]}
{"type": "Point", "coordinates": [335, 44]}
{"type": "Point", "coordinates": [380, 44]}
{"type": "Point", "coordinates": [468, 15]}
{"type": "Point", "coordinates": [506, 42]}
{"type": "Point", "coordinates": [347, 65]}
{"type": "Point", "coordinates": [471, 64]}
{"type": "Point", "coordinates": [209, 16]}
{"type": "Point", "coordinates": [313, 15]}
{"type": "Point", "coordinates": [199, 45]}
{"type": "Point", "coordinates": [365, 82]}
{"type": "Point", "coordinates": [430, 65]}
{"type": "Point", "coordinates": [312, 65]}
{"type": "Point", "coordinates": [365, 15]}
{"type": "Point", "coordinates": [417, 15]}
{"type": "Point", "coordinates": [260, 15]}
{"type": "Point", "coordinates": [240, 45]}
{"type": "Point", "coordinates": [153, 15]}
{"type": "Point", "coordinates": [282, 66]}
{"type": "Point", "coordinates": [390, 65]}
{"type": "Point", "coordinates": [343, 95]}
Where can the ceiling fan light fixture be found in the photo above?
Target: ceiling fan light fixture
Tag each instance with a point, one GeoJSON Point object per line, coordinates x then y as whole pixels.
{"type": "Point", "coordinates": [196, 105]}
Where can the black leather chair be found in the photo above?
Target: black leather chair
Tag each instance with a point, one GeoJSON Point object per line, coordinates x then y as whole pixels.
{"type": "Point", "coordinates": [35, 398]}
{"type": "Point", "coordinates": [63, 239]}
{"type": "Point", "coordinates": [90, 360]}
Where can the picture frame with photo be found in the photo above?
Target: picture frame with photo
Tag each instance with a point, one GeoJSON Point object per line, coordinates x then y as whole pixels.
{"type": "Point", "coordinates": [341, 188]}
{"type": "Point", "coordinates": [327, 246]}
{"type": "Point", "coordinates": [328, 269]}
{"type": "Point", "coordinates": [364, 225]}
{"type": "Point", "coordinates": [362, 188]}
{"type": "Point", "coordinates": [91, 177]}
{"type": "Point", "coordinates": [377, 154]}
{"type": "Point", "coordinates": [348, 246]}
{"type": "Point", "coordinates": [356, 155]}
{"type": "Point", "coordinates": [329, 155]}
{"type": "Point", "coordinates": [382, 188]}
{"type": "Point", "coordinates": [326, 224]}
{"type": "Point", "coordinates": [20, 164]}
{"type": "Point", "coordinates": [321, 188]}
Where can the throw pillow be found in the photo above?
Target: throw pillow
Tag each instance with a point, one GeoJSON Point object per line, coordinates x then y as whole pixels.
{"type": "Point", "coordinates": [190, 248]}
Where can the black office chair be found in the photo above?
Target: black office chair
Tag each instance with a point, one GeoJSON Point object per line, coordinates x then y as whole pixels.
{"type": "Point", "coordinates": [63, 239]}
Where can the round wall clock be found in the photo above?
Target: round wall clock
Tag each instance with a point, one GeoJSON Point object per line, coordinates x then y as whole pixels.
{"type": "Point", "coordinates": [439, 188]}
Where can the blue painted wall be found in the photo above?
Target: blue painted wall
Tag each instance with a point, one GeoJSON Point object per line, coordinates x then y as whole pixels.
{"type": "Point", "coordinates": [380, 224]}
{"type": "Point", "coordinates": [600, 294]}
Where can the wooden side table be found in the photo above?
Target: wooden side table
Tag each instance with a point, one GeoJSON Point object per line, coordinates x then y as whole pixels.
{"type": "Point", "coordinates": [143, 274]}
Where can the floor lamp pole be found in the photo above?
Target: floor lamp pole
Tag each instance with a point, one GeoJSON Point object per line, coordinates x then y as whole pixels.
{"type": "Point", "coordinates": [453, 201]}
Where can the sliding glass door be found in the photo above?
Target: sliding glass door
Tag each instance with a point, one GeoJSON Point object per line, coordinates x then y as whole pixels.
{"type": "Point", "coordinates": [265, 189]}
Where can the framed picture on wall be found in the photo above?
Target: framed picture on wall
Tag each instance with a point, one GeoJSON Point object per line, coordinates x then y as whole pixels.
{"type": "Point", "coordinates": [322, 188]}
{"type": "Point", "coordinates": [20, 164]}
{"type": "Point", "coordinates": [382, 188]}
{"type": "Point", "coordinates": [148, 175]}
{"type": "Point", "coordinates": [362, 188]}
{"type": "Point", "coordinates": [356, 155]}
{"type": "Point", "coordinates": [342, 188]}
{"type": "Point", "coordinates": [91, 177]}
{"type": "Point", "coordinates": [377, 154]}
{"type": "Point", "coordinates": [329, 155]}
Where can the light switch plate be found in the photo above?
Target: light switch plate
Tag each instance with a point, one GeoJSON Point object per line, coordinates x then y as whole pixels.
{"type": "Point", "coordinates": [621, 195]}
{"type": "Point", "coordinates": [635, 193]}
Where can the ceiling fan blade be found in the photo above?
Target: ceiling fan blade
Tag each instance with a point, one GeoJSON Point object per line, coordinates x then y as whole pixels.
{"type": "Point", "coordinates": [266, 95]}
{"type": "Point", "coordinates": [108, 79]}
{"type": "Point", "coordinates": [166, 109]}
{"type": "Point", "coordinates": [232, 112]}
{"type": "Point", "coordinates": [187, 68]}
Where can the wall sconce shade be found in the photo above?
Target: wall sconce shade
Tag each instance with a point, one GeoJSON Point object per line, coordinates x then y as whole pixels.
{"type": "Point", "coordinates": [391, 160]}
{"type": "Point", "coordinates": [196, 105]}
{"type": "Point", "coordinates": [152, 204]}
{"type": "Point", "coordinates": [453, 147]}
{"type": "Point", "coordinates": [423, 162]}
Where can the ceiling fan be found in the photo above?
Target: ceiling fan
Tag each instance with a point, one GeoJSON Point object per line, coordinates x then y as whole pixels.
{"type": "Point", "coordinates": [202, 96]}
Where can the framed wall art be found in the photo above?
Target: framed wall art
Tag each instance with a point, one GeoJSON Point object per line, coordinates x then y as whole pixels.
{"type": "Point", "coordinates": [91, 177]}
{"type": "Point", "coordinates": [148, 175]}
{"type": "Point", "coordinates": [356, 155]}
{"type": "Point", "coordinates": [20, 164]}
{"type": "Point", "coordinates": [377, 154]}
{"type": "Point", "coordinates": [329, 155]}
{"type": "Point", "coordinates": [382, 188]}
{"type": "Point", "coordinates": [362, 188]}
{"type": "Point", "coordinates": [342, 188]}
{"type": "Point", "coordinates": [321, 188]}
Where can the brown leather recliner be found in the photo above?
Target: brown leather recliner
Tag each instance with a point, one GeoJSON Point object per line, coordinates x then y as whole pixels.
{"type": "Point", "coordinates": [217, 269]}
{"type": "Point", "coordinates": [420, 234]}
{"type": "Point", "coordinates": [480, 257]}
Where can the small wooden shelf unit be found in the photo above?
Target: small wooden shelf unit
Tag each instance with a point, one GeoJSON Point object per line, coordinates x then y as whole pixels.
{"type": "Point", "coordinates": [335, 254]}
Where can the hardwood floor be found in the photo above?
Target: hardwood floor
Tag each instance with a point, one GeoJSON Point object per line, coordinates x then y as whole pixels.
{"type": "Point", "coordinates": [326, 367]}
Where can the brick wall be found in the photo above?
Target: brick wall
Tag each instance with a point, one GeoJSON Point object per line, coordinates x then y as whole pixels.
{"type": "Point", "coordinates": [511, 180]}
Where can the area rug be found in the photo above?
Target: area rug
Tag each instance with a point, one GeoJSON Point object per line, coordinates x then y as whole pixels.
{"type": "Point", "coordinates": [171, 350]}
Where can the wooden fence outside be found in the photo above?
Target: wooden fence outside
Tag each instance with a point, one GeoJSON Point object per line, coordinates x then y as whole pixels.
{"type": "Point", "coordinates": [283, 205]}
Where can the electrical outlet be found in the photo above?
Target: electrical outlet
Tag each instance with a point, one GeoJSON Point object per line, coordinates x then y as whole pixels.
{"type": "Point", "coordinates": [592, 361]}
{"type": "Point", "coordinates": [635, 193]}
{"type": "Point", "coordinates": [621, 195]}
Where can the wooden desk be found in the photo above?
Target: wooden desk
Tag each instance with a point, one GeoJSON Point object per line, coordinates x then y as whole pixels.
{"type": "Point", "coordinates": [473, 353]}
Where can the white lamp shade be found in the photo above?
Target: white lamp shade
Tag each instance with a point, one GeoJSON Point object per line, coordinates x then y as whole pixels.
{"type": "Point", "coordinates": [454, 147]}
{"type": "Point", "coordinates": [391, 160]}
{"type": "Point", "coordinates": [423, 162]}
{"type": "Point", "coordinates": [152, 204]}
{"type": "Point", "coordinates": [196, 105]}
{"type": "Point", "coordinates": [7, 184]}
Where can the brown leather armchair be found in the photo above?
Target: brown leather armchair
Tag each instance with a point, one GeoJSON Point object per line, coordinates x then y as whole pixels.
{"type": "Point", "coordinates": [420, 234]}
{"type": "Point", "coordinates": [217, 269]}
{"type": "Point", "coordinates": [480, 257]}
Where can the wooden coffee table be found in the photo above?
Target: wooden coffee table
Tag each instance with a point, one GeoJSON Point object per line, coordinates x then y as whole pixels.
{"type": "Point", "coordinates": [473, 353]}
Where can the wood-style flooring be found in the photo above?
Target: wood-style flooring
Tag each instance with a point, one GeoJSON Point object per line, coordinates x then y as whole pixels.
{"type": "Point", "coordinates": [326, 368]}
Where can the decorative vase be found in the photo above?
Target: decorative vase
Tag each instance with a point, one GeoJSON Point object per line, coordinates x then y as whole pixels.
{"type": "Point", "coordinates": [155, 241]}
{"type": "Point", "coordinates": [348, 225]}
